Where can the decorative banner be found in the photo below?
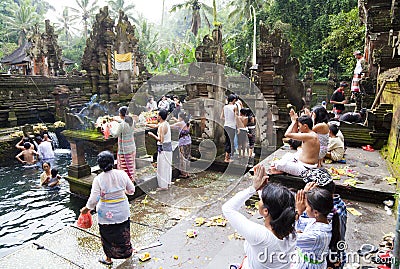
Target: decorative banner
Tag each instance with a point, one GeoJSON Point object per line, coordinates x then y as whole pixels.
{"type": "Point", "coordinates": [123, 61]}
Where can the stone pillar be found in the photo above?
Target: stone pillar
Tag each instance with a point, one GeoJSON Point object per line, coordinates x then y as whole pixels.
{"type": "Point", "coordinates": [12, 119]}
{"type": "Point", "coordinates": [79, 168]}
{"type": "Point", "coordinates": [61, 96]}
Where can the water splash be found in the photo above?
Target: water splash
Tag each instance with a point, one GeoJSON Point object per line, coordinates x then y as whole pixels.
{"type": "Point", "coordinates": [54, 140]}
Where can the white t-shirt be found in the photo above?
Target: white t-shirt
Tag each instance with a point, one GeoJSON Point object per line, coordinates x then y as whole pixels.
{"type": "Point", "coordinates": [229, 115]}
{"type": "Point", "coordinates": [262, 247]}
{"type": "Point", "coordinates": [45, 150]}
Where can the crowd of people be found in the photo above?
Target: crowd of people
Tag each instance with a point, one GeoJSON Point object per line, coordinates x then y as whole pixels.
{"type": "Point", "coordinates": [309, 222]}
{"type": "Point", "coordinates": [301, 229]}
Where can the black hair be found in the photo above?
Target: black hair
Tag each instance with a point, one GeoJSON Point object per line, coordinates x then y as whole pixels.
{"type": "Point", "coordinates": [321, 200]}
{"type": "Point", "coordinates": [306, 120]}
{"type": "Point", "coordinates": [27, 145]}
{"type": "Point", "coordinates": [321, 114]}
{"type": "Point", "coordinates": [105, 160]}
{"type": "Point", "coordinates": [331, 187]}
{"type": "Point", "coordinates": [334, 129]}
{"type": "Point", "coordinates": [280, 203]}
{"type": "Point", "coordinates": [47, 164]}
{"type": "Point", "coordinates": [54, 172]}
{"type": "Point", "coordinates": [294, 144]}
{"type": "Point", "coordinates": [163, 114]}
{"type": "Point", "coordinates": [124, 112]}
{"type": "Point", "coordinates": [231, 98]}
{"type": "Point", "coordinates": [38, 139]}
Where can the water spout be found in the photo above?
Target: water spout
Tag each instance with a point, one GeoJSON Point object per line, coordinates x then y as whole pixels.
{"type": "Point", "coordinates": [54, 140]}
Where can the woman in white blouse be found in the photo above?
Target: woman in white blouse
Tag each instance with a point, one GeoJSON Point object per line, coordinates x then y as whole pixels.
{"type": "Point", "coordinates": [267, 245]}
{"type": "Point", "coordinates": [108, 196]}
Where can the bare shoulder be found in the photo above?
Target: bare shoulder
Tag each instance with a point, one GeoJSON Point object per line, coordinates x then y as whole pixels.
{"type": "Point", "coordinates": [321, 128]}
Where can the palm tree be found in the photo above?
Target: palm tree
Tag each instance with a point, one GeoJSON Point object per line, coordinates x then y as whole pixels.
{"type": "Point", "coordinates": [241, 8]}
{"type": "Point", "coordinates": [198, 10]}
{"type": "Point", "coordinates": [64, 24]}
{"type": "Point", "coordinates": [86, 11]}
{"type": "Point", "coordinates": [21, 19]}
{"type": "Point", "coordinates": [117, 5]}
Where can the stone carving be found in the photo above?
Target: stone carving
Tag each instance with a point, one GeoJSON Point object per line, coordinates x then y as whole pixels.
{"type": "Point", "coordinates": [211, 49]}
{"type": "Point", "coordinates": [277, 78]}
{"type": "Point", "coordinates": [96, 58]}
{"type": "Point", "coordinates": [45, 53]}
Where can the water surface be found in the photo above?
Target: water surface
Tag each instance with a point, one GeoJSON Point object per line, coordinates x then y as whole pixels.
{"type": "Point", "coordinates": [29, 211]}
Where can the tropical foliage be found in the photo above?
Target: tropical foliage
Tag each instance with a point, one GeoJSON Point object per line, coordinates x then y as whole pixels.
{"type": "Point", "coordinates": [86, 11]}
{"type": "Point", "coordinates": [198, 11]}
{"type": "Point", "coordinates": [116, 5]}
{"type": "Point", "coordinates": [322, 33]}
{"type": "Point", "coordinates": [19, 19]}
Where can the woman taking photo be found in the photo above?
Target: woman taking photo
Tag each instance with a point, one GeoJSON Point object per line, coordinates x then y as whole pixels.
{"type": "Point", "coordinates": [276, 235]}
{"type": "Point", "coordinates": [126, 143]}
{"type": "Point", "coordinates": [112, 208]}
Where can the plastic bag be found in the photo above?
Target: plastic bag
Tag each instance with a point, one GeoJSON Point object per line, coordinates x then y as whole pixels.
{"type": "Point", "coordinates": [85, 221]}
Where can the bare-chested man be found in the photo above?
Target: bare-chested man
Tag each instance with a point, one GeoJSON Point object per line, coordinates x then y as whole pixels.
{"type": "Point", "coordinates": [29, 155]}
{"type": "Point", "coordinates": [307, 157]}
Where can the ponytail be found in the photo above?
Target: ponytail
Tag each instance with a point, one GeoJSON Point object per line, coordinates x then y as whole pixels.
{"type": "Point", "coordinates": [280, 203]}
{"type": "Point", "coordinates": [284, 224]}
{"type": "Point", "coordinates": [333, 245]}
{"type": "Point", "coordinates": [129, 120]}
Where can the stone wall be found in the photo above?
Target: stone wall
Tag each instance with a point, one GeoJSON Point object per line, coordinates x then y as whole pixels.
{"type": "Point", "coordinates": [29, 99]}
{"type": "Point", "coordinates": [391, 94]}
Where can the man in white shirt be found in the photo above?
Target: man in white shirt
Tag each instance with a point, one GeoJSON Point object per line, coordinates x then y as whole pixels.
{"type": "Point", "coordinates": [163, 104]}
{"type": "Point", "coordinates": [45, 150]}
{"type": "Point", "coordinates": [359, 71]}
{"type": "Point", "coordinates": [151, 104]}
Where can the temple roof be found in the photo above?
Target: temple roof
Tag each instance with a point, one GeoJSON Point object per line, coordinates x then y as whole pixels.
{"type": "Point", "coordinates": [18, 56]}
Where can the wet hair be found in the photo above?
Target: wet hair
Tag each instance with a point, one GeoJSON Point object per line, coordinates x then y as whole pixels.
{"type": "Point", "coordinates": [280, 203]}
{"type": "Point", "coordinates": [54, 172]}
{"type": "Point", "coordinates": [27, 145]}
{"type": "Point", "coordinates": [321, 200]}
{"type": "Point", "coordinates": [47, 164]}
{"type": "Point", "coordinates": [105, 160]}
{"type": "Point", "coordinates": [163, 114]}
{"type": "Point", "coordinates": [38, 139]}
{"type": "Point", "coordinates": [306, 120]}
{"type": "Point", "coordinates": [231, 98]}
{"type": "Point", "coordinates": [247, 112]}
{"type": "Point", "coordinates": [334, 129]}
{"type": "Point", "coordinates": [124, 111]}
{"type": "Point", "coordinates": [321, 115]}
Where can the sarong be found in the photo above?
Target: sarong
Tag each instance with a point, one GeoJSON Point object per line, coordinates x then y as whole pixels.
{"type": "Point", "coordinates": [126, 162]}
{"type": "Point", "coordinates": [116, 240]}
{"type": "Point", "coordinates": [164, 168]}
{"type": "Point", "coordinates": [355, 83]}
{"type": "Point", "coordinates": [184, 158]}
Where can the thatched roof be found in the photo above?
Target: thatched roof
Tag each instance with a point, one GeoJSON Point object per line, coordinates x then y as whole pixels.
{"type": "Point", "coordinates": [18, 56]}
